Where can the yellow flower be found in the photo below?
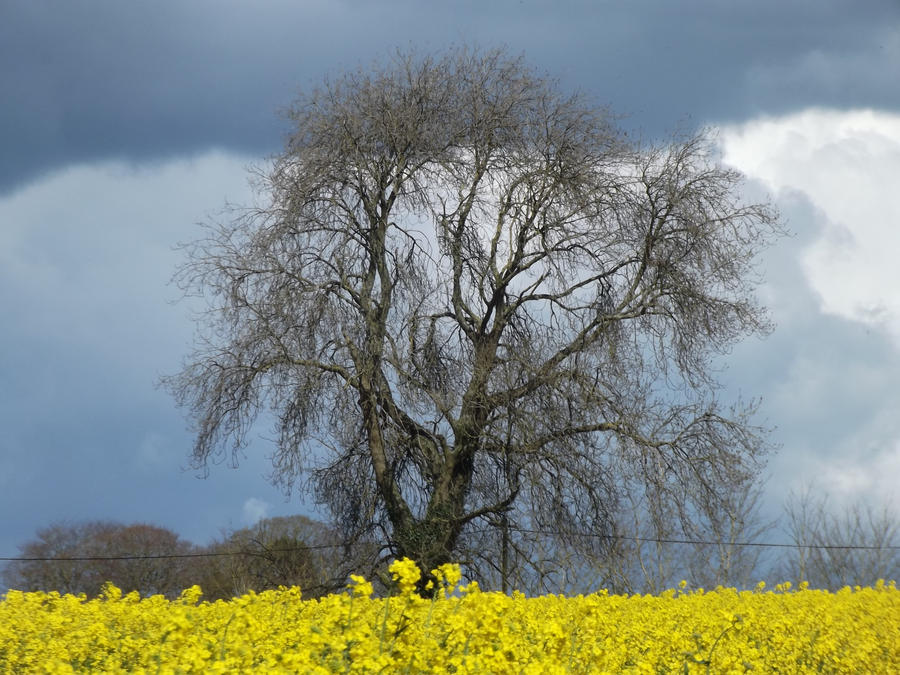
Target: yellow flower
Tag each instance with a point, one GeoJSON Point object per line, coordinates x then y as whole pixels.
{"type": "Point", "coordinates": [190, 596]}
{"type": "Point", "coordinates": [277, 631]}
{"type": "Point", "coordinates": [360, 587]}
{"type": "Point", "coordinates": [110, 591]}
{"type": "Point", "coordinates": [449, 574]}
{"type": "Point", "coordinates": [406, 573]}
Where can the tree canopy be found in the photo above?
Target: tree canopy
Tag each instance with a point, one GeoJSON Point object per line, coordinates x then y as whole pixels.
{"type": "Point", "coordinates": [474, 304]}
{"type": "Point", "coordinates": [136, 557]}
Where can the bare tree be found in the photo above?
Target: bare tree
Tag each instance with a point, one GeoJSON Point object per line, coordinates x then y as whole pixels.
{"type": "Point", "coordinates": [648, 550]}
{"type": "Point", "coordinates": [732, 527]}
{"type": "Point", "coordinates": [471, 300]}
{"type": "Point", "coordinates": [95, 545]}
{"type": "Point", "coordinates": [844, 546]}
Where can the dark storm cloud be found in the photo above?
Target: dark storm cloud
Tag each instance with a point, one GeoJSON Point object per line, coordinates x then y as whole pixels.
{"type": "Point", "coordinates": [110, 79]}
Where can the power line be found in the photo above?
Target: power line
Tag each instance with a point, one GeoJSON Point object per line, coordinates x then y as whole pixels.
{"type": "Point", "coordinates": [313, 547]}
{"type": "Point", "coordinates": [162, 556]}
{"type": "Point", "coordinates": [702, 542]}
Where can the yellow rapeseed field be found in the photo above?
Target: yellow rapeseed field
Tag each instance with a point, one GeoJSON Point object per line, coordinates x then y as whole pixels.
{"type": "Point", "coordinates": [462, 630]}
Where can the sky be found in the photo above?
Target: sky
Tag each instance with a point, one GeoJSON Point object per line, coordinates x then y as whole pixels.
{"type": "Point", "coordinates": [124, 125]}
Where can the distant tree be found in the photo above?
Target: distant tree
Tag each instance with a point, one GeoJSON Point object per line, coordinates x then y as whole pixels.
{"type": "Point", "coordinates": [730, 525]}
{"type": "Point", "coordinates": [647, 550]}
{"type": "Point", "coordinates": [854, 544]}
{"type": "Point", "coordinates": [654, 553]}
{"type": "Point", "coordinates": [473, 303]}
{"type": "Point", "coordinates": [95, 542]}
{"type": "Point", "coordinates": [283, 551]}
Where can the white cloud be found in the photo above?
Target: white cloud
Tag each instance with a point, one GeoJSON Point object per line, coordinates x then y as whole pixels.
{"type": "Point", "coordinates": [254, 510]}
{"type": "Point", "coordinates": [833, 290]}
{"type": "Point", "coordinates": [877, 481]}
{"type": "Point", "coordinates": [846, 164]}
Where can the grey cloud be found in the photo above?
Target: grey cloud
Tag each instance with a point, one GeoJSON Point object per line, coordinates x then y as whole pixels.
{"type": "Point", "coordinates": [855, 75]}
{"type": "Point", "coordinates": [827, 384]}
{"type": "Point", "coordinates": [112, 79]}
{"type": "Point", "coordinates": [85, 256]}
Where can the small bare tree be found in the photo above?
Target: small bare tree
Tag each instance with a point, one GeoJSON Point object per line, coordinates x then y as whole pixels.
{"type": "Point", "coordinates": [472, 301]}
{"type": "Point", "coordinates": [732, 528]}
{"type": "Point", "coordinates": [836, 547]}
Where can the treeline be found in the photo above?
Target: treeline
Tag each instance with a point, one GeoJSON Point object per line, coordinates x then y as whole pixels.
{"type": "Point", "coordinates": [826, 546]}
{"type": "Point", "coordinates": [283, 551]}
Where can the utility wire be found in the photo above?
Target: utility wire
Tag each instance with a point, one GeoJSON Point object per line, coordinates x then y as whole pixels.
{"type": "Point", "coordinates": [314, 547]}
{"type": "Point", "coordinates": [160, 556]}
{"type": "Point", "coordinates": [702, 542]}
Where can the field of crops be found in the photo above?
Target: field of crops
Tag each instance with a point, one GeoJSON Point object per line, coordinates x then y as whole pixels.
{"type": "Point", "coordinates": [462, 630]}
